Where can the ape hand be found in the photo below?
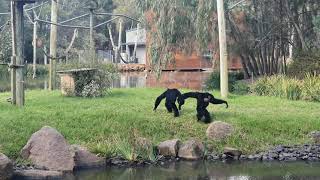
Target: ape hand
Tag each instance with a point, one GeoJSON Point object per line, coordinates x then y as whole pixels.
{"type": "Point", "coordinates": [227, 105]}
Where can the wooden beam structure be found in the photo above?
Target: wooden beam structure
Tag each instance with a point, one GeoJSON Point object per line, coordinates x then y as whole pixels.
{"type": "Point", "coordinates": [17, 60]}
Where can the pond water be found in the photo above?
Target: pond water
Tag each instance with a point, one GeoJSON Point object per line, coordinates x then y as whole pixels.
{"type": "Point", "coordinates": [178, 79]}
{"type": "Point", "coordinates": [207, 171]}
{"type": "Point", "coordinates": [191, 80]}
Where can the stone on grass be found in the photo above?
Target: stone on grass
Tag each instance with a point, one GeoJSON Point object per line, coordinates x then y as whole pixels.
{"type": "Point", "coordinates": [191, 150]}
{"type": "Point", "coordinates": [85, 159]}
{"type": "Point", "coordinates": [6, 167]}
{"type": "Point", "coordinates": [48, 149]}
{"type": "Point", "coordinates": [315, 136]}
{"type": "Point", "coordinates": [169, 147]}
{"type": "Point", "coordinates": [219, 130]}
{"type": "Point", "coordinates": [37, 174]}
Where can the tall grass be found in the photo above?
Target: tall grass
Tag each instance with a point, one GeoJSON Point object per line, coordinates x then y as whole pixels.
{"type": "Point", "coordinates": [311, 88]}
{"type": "Point", "coordinates": [131, 147]}
{"type": "Point", "coordinates": [282, 86]}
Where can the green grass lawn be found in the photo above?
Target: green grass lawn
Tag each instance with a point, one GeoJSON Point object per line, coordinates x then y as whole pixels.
{"type": "Point", "coordinates": [107, 124]}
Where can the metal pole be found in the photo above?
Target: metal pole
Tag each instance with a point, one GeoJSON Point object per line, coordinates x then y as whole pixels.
{"type": "Point", "coordinates": [53, 44]}
{"type": "Point", "coordinates": [19, 53]}
{"type": "Point", "coordinates": [92, 48]}
{"type": "Point", "coordinates": [118, 53]}
{"type": "Point", "coordinates": [223, 50]}
{"type": "Point", "coordinates": [35, 23]}
{"type": "Point", "coordinates": [13, 58]}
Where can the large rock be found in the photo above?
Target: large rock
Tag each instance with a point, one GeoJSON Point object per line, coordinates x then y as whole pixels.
{"type": "Point", "coordinates": [48, 149]}
{"type": "Point", "coordinates": [6, 167]}
{"type": "Point", "coordinates": [85, 159]}
{"type": "Point", "coordinates": [219, 130]}
{"type": "Point", "coordinates": [37, 174]}
{"type": "Point", "coordinates": [191, 150]}
{"type": "Point", "coordinates": [169, 147]}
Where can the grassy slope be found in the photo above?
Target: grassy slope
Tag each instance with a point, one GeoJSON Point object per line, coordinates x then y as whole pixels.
{"type": "Point", "coordinates": [104, 124]}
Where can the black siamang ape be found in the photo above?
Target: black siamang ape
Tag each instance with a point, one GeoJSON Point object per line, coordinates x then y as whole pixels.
{"type": "Point", "coordinates": [171, 96]}
{"type": "Point", "coordinates": [203, 100]}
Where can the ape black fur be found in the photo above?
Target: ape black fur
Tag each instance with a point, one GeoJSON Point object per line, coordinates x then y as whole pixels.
{"type": "Point", "coordinates": [203, 100]}
{"type": "Point", "coordinates": [171, 95]}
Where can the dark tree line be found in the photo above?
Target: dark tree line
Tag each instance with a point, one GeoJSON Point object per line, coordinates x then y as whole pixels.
{"type": "Point", "coordinates": [266, 33]}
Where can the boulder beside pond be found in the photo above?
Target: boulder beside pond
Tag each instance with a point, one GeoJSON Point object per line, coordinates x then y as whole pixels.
{"type": "Point", "coordinates": [169, 147]}
{"type": "Point", "coordinates": [48, 149]}
{"type": "Point", "coordinates": [219, 130]}
{"type": "Point", "coordinates": [191, 150]}
{"type": "Point", "coordinates": [6, 167]}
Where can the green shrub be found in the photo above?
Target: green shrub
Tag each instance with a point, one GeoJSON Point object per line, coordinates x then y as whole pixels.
{"type": "Point", "coordinates": [241, 88]}
{"type": "Point", "coordinates": [260, 87]}
{"type": "Point", "coordinates": [307, 88]}
{"type": "Point", "coordinates": [305, 62]}
{"type": "Point", "coordinates": [311, 88]}
{"type": "Point", "coordinates": [213, 82]}
{"type": "Point", "coordinates": [292, 89]}
{"type": "Point", "coordinates": [93, 83]}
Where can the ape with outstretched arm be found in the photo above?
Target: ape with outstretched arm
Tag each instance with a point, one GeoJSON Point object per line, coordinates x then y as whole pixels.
{"type": "Point", "coordinates": [171, 96]}
{"type": "Point", "coordinates": [203, 100]}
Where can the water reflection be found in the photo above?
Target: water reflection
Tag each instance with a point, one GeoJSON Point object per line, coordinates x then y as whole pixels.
{"type": "Point", "coordinates": [178, 79]}
{"type": "Point", "coordinates": [191, 80]}
{"type": "Point", "coordinates": [38, 83]}
{"type": "Point", "coordinates": [207, 171]}
{"type": "Point", "coordinates": [130, 80]}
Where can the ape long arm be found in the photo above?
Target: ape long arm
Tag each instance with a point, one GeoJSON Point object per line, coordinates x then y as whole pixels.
{"type": "Point", "coordinates": [219, 101]}
{"type": "Point", "coordinates": [158, 100]}
{"type": "Point", "coordinates": [190, 95]}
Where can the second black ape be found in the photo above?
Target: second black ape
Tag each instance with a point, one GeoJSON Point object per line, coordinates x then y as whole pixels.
{"type": "Point", "coordinates": [203, 100]}
{"type": "Point", "coordinates": [171, 95]}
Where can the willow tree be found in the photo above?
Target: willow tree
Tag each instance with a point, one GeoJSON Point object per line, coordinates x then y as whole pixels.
{"type": "Point", "coordinates": [177, 25]}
